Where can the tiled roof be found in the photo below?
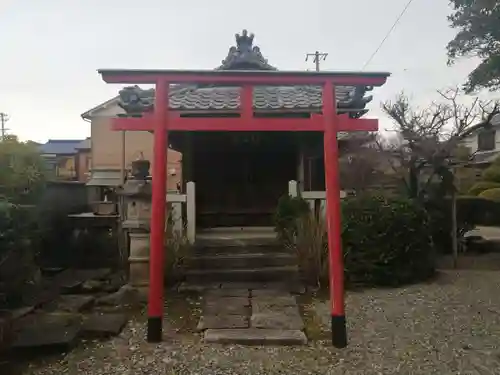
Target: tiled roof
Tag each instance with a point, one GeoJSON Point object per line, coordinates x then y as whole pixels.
{"type": "Point", "coordinates": [228, 98]}
{"type": "Point", "coordinates": [60, 146]}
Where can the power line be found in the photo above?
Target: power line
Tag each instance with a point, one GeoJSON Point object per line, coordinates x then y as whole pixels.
{"type": "Point", "coordinates": [388, 33]}
{"type": "Point", "coordinates": [316, 57]}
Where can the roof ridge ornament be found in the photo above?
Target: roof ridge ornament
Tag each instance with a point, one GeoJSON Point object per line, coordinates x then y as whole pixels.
{"type": "Point", "coordinates": [244, 55]}
{"type": "Point", "coordinates": [244, 41]}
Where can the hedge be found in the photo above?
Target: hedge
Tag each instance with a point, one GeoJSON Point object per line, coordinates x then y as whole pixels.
{"type": "Point", "coordinates": [386, 242]}
{"type": "Point", "coordinates": [491, 174]}
{"type": "Point", "coordinates": [491, 194]}
{"type": "Point", "coordinates": [481, 186]}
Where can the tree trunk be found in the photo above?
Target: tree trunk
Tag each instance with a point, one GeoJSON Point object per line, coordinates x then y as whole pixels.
{"type": "Point", "coordinates": [454, 239]}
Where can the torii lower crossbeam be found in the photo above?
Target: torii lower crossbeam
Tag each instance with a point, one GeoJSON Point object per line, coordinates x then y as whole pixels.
{"type": "Point", "coordinates": [177, 123]}
{"type": "Point", "coordinates": [163, 120]}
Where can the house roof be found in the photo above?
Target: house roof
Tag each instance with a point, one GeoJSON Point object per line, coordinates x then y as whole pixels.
{"type": "Point", "coordinates": [105, 177]}
{"type": "Point", "coordinates": [84, 145]}
{"type": "Point", "coordinates": [495, 120]}
{"type": "Point", "coordinates": [244, 56]}
{"type": "Point", "coordinates": [485, 157]}
{"type": "Point", "coordinates": [59, 146]}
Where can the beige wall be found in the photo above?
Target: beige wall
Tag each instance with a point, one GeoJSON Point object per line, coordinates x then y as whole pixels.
{"type": "Point", "coordinates": [83, 165]}
{"type": "Point", "coordinates": [107, 149]}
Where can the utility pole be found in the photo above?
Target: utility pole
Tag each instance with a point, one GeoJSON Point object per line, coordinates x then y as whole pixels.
{"type": "Point", "coordinates": [316, 58]}
{"type": "Point", "coordinates": [3, 120]}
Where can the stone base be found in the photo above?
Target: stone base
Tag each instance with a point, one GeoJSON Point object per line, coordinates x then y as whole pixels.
{"type": "Point", "coordinates": [142, 292]}
{"type": "Point", "coordinates": [139, 272]}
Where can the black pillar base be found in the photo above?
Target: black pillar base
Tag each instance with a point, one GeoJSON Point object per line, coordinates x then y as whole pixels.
{"type": "Point", "coordinates": [154, 329]}
{"type": "Point", "coordinates": [339, 331]}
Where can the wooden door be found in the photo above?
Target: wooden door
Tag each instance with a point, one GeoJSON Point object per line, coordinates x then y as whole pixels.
{"type": "Point", "coordinates": [240, 177]}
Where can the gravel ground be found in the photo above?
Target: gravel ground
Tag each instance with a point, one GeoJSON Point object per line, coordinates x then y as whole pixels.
{"type": "Point", "coordinates": [450, 326]}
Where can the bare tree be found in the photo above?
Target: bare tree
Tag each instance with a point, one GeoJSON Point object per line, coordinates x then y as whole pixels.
{"type": "Point", "coordinates": [360, 163]}
{"type": "Point", "coordinates": [431, 136]}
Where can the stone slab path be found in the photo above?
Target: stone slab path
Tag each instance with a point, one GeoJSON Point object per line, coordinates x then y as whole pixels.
{"type": "Point", "coordinates": [251, 316]}
{"type": "Point", "coordinates": [57, 320]}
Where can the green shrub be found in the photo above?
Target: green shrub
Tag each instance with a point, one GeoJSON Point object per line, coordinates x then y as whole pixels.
{"type": "Point", "coordinates": [491, 194]}
{"type": "Point", "coordinates": [491, 174]}
{"type": "Point", "coordinates": [17, 226]}
{"type": "Point", "coordinates": [481, 186]}
{"type": "Point", "coordinates": [386, 242]}
{"type": "Point", "coordinates": [17, 258]}
{"type": "Point", "coordinates": [289, 210]}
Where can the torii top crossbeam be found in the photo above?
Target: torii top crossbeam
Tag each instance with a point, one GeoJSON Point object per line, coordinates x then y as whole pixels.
{"type": "Point", "coordinates": [273, 77]}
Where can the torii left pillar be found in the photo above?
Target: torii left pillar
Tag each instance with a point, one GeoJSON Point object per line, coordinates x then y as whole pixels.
{"type": "Point", "coordinates": [158, 208]}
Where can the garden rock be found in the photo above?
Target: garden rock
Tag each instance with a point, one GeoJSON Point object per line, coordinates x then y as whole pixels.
{"type": "Point", "coordinates": [126, 295]}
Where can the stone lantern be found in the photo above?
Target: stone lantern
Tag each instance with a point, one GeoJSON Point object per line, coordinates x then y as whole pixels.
{"type": "Point", "coordinates": [136, 194]}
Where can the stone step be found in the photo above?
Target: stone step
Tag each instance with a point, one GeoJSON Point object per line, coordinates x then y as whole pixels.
{"type": "Point", "coordinates": [236, 236]}
{"type": "Point", "coordinates": [233, 241]}
{"type": "Point", "coordinates": [255, 336]}
{"type": "Point", "coordinates": [230, 249]}
{"type": "Point", "coordinates": [288, 273]}
{"type": "Point", "coordinates": [235, 289]}
{"type": "Point", "coordinates": [242, 260]}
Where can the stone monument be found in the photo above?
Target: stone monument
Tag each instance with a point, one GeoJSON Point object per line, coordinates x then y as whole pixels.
{"type": "Point", "coordinates": [136, 194]}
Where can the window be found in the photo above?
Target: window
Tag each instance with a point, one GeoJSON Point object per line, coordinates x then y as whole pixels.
{"type": "Point", "coordinates": [486, 140]}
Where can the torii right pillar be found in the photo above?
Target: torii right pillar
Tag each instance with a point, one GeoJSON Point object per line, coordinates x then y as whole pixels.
{"type": "Point", "coordinates": [333, 217]}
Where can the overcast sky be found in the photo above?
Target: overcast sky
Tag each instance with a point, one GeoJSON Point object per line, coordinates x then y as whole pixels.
{"type": "Point", "coordinates": [51, 49]}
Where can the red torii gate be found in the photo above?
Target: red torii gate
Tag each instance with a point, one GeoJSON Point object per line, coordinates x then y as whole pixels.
{"type": "Point", "coordinates": [163, 120]}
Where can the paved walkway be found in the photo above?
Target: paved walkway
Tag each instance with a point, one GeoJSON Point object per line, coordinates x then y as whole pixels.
{"type": "Point", "coordinates": [251, 316]}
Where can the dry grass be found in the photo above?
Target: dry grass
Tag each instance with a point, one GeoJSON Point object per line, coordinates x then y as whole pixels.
{"type": "Point", "coordinates": [310, 244]}
{"type": "Point", "coordinates": [178, 249]}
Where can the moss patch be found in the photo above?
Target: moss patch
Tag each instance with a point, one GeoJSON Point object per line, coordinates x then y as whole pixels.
{"type": "Point", "coordinates": [312, 322]}
{"type": "Point", "coordinates": [182, 312]}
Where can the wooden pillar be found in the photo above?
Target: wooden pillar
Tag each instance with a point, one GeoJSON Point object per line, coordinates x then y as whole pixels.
{"type": "Point", "coordinates": [301, 178]}
{"type": "Point", "coordinates": [187, 160]}
{"type": "Point", "coordinates": [191, 211]}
